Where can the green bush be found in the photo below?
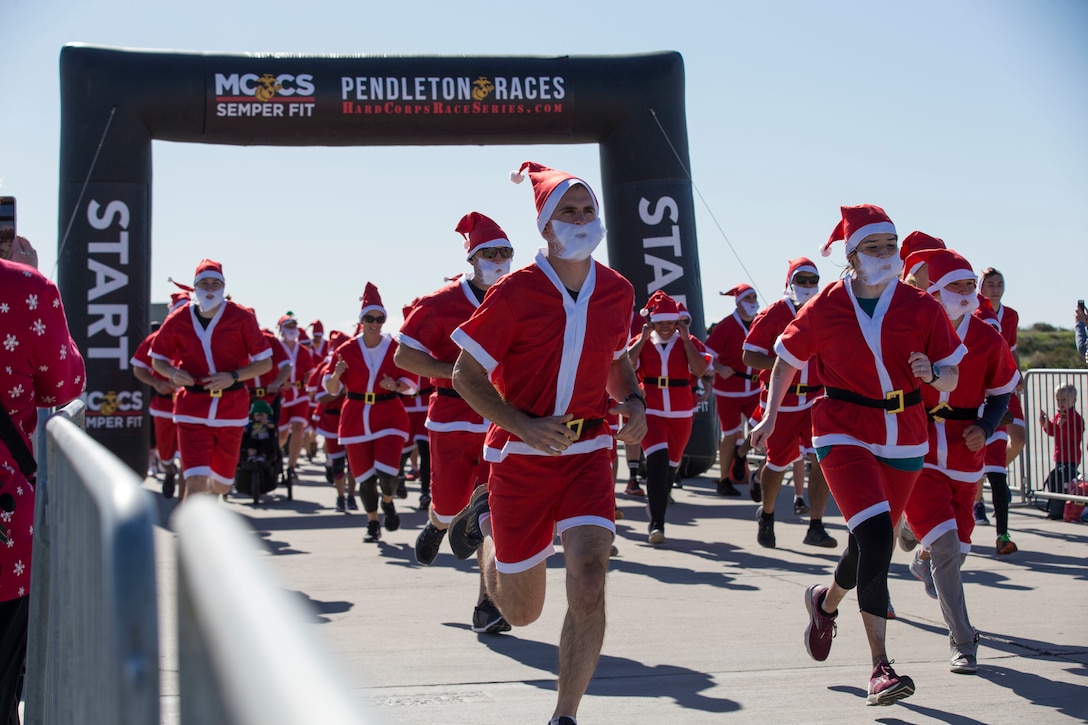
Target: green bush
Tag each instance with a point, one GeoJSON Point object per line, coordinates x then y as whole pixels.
{"type": "Point", "coordinates": [1044, 346]}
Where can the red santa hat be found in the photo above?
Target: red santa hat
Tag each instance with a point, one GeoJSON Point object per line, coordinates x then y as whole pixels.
{"type": "Point", "coordinates": [912, 244]}
{"type": "Point", "coordinates": [660, 308]}
{"type": "Point", "coordinates": [684, 314]}
{"type": "Point", "coordinates": [177, 300]}
{"type": "Point", "coordinates": [335, 338]}
{"type": "Point", "coordinates": [857, 223]}
{"type": "Point", "coordinates": [739, 291]}
{"type": "Point", "coordinates": [209, 269]}
{"type": "Point", "coordinates": [407, 309]}
{"type": "Point", "coordinates": [946, 267]}
{"type": "Point", "coordinates": [287, 319]}
{"type": "Point", "coordinates": [549, 185]}
{"type": "Point", "coordinates": [317, 327]}
{"type": "Point", "coordinates": [480, 232]}
{"type": "Point", "coordinates": [372, 301]}
{"type": "Point", "coordinates": [801, 264]}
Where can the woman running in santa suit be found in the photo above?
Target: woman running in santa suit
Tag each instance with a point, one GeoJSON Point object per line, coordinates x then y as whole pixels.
{"type": "Point", "coordinates": [874, 341]}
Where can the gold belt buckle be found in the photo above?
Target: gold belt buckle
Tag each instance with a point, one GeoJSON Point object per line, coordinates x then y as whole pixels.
{"type": "Point", "coordinates": [369, 398]}
{"type": "Point", "coordinates": [896, 395]}
{"type": "Point", "coordinates": [298, 385]}
{"type": "Point", "coordinates": [662, 382]}
{"type": "Point", "coordinates": [576, 426]}
{"type": "Point", "coordinates": [943, 405]}
{"type": "Point", "coordinates": [215, 393]}
{"type": "Point", "coordinates": [259, 392]}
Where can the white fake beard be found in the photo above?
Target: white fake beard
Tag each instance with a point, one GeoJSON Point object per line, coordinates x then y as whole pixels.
{"type": "Point", "coordinates": [957, 305]}
{"type": "Point", "coordinates": [801, 295]}
{"type": "Point", "coordinates": [576, 242]}
{"type": "Point", "coordinates": [875, 271]}
{"type": "Point", "coordinates": [749, 308]}
{"type": "Point", "coordinates": [209, 300]}
{"type": "Point", "coordinates": [490, 272]}
{"type": "Point", "coordinates": [290, 335]}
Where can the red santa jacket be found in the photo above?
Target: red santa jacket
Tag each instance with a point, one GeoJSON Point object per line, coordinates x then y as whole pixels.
{"type": "Point", "coordinates": [726, 345]}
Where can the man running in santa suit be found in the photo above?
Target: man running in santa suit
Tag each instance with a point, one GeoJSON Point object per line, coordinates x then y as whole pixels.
{"type": "Point", "coordinates": [736, 389]}
{"type": "Point", "coordinates": [940, 509]}
{"type": "Point", "coordinates": [792, 437]}
{"type": "Point", "coordinates": [162, 406]}
{"type": "Point", "coordinates": [540, 358]}
{"type": "Point", "coordinates": [373, 422]}
{"type": "Point", "coordinates": [455, 431]}
{"type": "Point", "coordinates": [294, 402]}
{"type": "Point", "coordinates": [209, 348]}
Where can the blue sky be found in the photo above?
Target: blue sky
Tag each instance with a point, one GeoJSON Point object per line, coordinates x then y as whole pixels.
{"type": "Point", "coordinates": [966, 120]}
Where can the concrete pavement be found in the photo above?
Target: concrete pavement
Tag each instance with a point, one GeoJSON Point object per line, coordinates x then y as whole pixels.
{"type": "Point", "coordinates": [706, 628]}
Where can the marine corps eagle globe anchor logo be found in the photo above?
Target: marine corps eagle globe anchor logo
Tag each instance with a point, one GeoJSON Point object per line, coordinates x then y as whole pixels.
{"type": "Point", "coordinates": [109, 403]}
{"type": "Point", "coordinates": [481, 88]}
{"type": "Point", "coordinates": [267, 87]}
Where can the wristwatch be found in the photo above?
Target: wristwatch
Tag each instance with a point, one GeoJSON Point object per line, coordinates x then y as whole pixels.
{"type": "Point", "coordinates": [936, 374]}
{"type": "Point", "coordinates": [636, 396]}
{"type": "Point", "coordinates": [234, 374]}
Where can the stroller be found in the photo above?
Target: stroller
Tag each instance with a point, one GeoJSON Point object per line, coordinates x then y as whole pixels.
{"type": "Point", "coordinates": [261, 460]}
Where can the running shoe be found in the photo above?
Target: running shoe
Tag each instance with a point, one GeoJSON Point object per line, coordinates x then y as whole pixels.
{"type": "Point", "coordinates": [907, 540]}
{"type": "Point", "coordinates": [754, 489]}
{"type": "Point", "coordinates": [464, 532]}
{"type": "Point", "coordinates": [765, 533]}
{"type": "Point", "coordinates": [886, 687]}
{"type": "Point", "coordinates": [726, 488]}
{"type": "Point", "coordinates": [922, 571]}
{"type": "Point", "coordinates": [392, 518]}
{"type": "Point", "coordinates": [980, 514]}
{"type": "Point", "coordinates": [821, 627]}
{"type": "Point", "coordinates": [341, 505]}
{"type": "Point", "coordinates": [402, 488]}
{"type": "Point", "coordinates": [428, 543]}
{"type": "Point", "coordinates": [487, 619]}
{"type": "Point", "coordinates": [817, 536]}
{"type": "Point", "coordinates": [964, 659]}
{"type": "Point", "coordinates": [424, 501]}
{"type": "Point", "coordinates": [799, 506]}
{"type": "Point", "coordinates": [1005, 546]}
{"type": "Point", "coordinates": [373, 532]}
{"type": "Point", "coordinates": [633, 489]}
{"type": "Point", "coordinates": [169, 485]}
{"type": "Point", "coordinates": [352, 505]}
{"type": "Point", "coordinates": [738, 469]}
{"type": "Point", "coordinates": [657, 533]}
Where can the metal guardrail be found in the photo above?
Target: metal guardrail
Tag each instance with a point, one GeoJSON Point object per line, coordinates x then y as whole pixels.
{"type": "Point", "coordinates": [1035, 463]}
{"type": "Point", "coordinates": [244, 656]}
{"type": "Point", "coordinates": [93, 649]}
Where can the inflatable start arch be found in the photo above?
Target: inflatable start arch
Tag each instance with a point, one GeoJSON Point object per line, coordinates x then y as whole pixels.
{"type": "Point", "coordinates": [114, 102]}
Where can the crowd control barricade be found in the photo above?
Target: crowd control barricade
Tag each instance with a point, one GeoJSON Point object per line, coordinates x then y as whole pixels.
{"type": "Point", "coordinates": [93, 649]}
{"type": "Point", "coordinates": [245, 654]}
{"type": "Point", "coordinates": [1037, 461]}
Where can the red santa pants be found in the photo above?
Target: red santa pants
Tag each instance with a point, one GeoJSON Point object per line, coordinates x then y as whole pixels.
{"type": "Point", "coordinates": [457, 467]}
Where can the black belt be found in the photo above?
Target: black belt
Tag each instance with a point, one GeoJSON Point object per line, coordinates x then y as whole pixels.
{"type": "Point", "coordinates": [447, 392]}
{"type": "Point", "coordinates": [425, 392]}
{"type": "Point", "coordinates": [332, 411]}
{"type": "Point", "coordinates": [168, 396]}
{"type": "Point", "coordinates": [805, 389]}
{"type": "Point", "coordinates": [944, 411]}
{"type": "Point", "coordinates": [214, 393]}
{"type": "Point", "coordinates": [667, 382]}
{"type": "Point", "coordinates": [371, 398]}
{"type": "Point", "coordinates": [894, 402]}
{"type": "Point", "coordinates": [581, 425]}
{"type": "Point", "coordinates": [746, 376]}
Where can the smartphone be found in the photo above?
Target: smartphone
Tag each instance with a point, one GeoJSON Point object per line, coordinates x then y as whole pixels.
{"type": "Point", "coordinates": [7, 225]}
{"type": "Point", "coordinates": [1080, 304]}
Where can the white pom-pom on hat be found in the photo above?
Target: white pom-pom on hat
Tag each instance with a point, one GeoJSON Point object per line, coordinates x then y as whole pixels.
{"type": "Point", "coordinates": [517, 177]}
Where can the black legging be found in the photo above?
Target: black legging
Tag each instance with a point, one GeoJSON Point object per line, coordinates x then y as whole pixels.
{"type": "Point", "coordinates": [657, 485]}
{"type": "Point", "coordinates": [14, 618]}
{"type": "Point", "coordinates": [865, 562]}
{"type": "Point", "coordinates": [999, 487]}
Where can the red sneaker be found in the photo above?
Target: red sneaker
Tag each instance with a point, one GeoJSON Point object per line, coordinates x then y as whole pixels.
{"type": "Point", "coordinates": [821, 626]}
{"type": "Point", "coordinates": [886, 687]}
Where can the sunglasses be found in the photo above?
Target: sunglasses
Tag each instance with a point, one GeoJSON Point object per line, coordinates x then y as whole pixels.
{"type": "Point", "coordinates": [496, 252]}
{"type": "Point", "coordinates": [803, 279]}
{"type": "Point", "coordinates": [372, 319]}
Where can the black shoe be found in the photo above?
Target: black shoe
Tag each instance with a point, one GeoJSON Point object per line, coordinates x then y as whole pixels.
{"type": "Point", "coordinates": [392, 518]}
{"type": "Point", "coordinates": [487, 619]}
{"type": "Point", "coordinates": [402, 487]}
{"type": "Point", "coordinates": [352, 506]}
{"type": "Point", "coordinates": [428, 543]}
{"type": "Point", "coordinates": [341, 505]}
{"type": "Point", "coordinates": [465, 534]}
{"type": "Point", "coordinates": [738, 469]}
{"type": "Point", "coordinates": [424, 501]}
{"type": "Point", "coordinates": [799, 506]}
{"type": "Point", "coordinates": [817, 536]}
{"type": "Point", "coordinates": [168, 484]}
{"type": "Point", "coordinates": [765, 535]}
{"type": "Point", "coordinates": [754, 489]}
{"type": "Point", "coordinates": [726, 488]}
{"type": "Point", "coordinates": [373, 532]}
